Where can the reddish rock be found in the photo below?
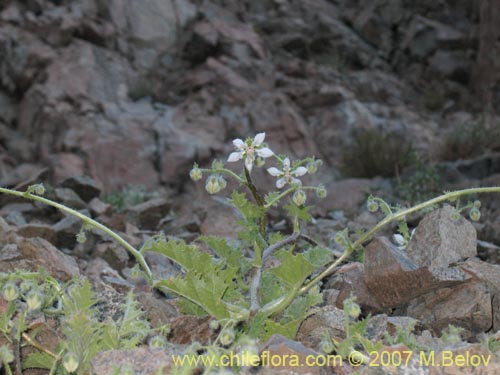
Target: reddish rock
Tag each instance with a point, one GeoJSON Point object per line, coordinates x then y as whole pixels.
{"type": "Point", "coordinates": [44, 231]}
{"type": "Point", "coordinates": [143, 361]}
{"type": "Point", "coordinates": [147, 215]}
{"type": "Point", "coordinates": [187, 329]}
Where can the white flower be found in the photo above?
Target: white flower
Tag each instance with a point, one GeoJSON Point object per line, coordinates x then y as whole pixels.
{"type": "Point", "coordinates": [287, 175]}
{"type": "Point", "coordinates": [249, 150]}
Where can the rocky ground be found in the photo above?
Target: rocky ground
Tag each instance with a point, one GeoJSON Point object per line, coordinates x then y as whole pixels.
{"type": "Point", "coordinates": [109, 103]}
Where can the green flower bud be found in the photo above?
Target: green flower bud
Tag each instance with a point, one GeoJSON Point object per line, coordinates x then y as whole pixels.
{"type": "Point", "coordinates": [372, 205]}
{"type": "Point", "coordinates": [326, 346]}
{"type": "Point", "coordinates": [321, 192]}
{"type": "Point", "coordinates": [312, 167]}
{"type": "Point", "coordinates": [212, 186]}
{"type": "Point", "coordinates": [81, 237]}
{"type": "Point", "coordinates": [455, 215]}
{"type": "Point", "coordinates": [34, 300]}
{"type": "Point", "coordinates": [299, 197]}
{"type": "Point", "coordinates": [352, 309]}
{"type": "Point", "coordinates": [6, 355]}
{"type": "Point", "coordinates": [39, 189]}
{"type": "Point", "coordinates": [474, 214]}
{"type": "Point", "coordinates": [195, 174]}
{"type": "Point", "coordinates": [339, 238]}
{"type": "Point", "coordinates": [70, 362]}
{"type": "Point", "coordinates": [10, 291]}
{"type": "Point", "coordinates": [477, 204]}
{"type": "Point", "coordinates": [26, 286]}
{"type": "Point", "coordinates": [214, 325]}
{"type": "Point", "coordinates": [227, 336]}
{"type": "Point", "coordinates": [157, 342]}
{"type": "Point", "coordinates": [259, 162]}
{"type": "Point", "coordinates": [222, 182]}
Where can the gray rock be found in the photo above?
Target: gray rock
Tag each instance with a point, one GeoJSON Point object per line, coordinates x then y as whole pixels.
{"type": "Point", "coordinates": [84, 186]}
{"type": "Point", "coordinates": [69, 198]}
{"type": "Point", "coordinates": [439, 241]}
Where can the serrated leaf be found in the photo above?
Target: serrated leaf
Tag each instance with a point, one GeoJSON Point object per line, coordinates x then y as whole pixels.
{"type": "Point", "coordinates": [249, 210]}
{"type": "Point", "coordinates": [38, 360]}
{"type": "Point", "coordinates": [271, 197]}
{"type": "Point", "coordinates": [289, 330]}
{"type": "Point", "coordinates": [231, 255]}
{"type": "Point", "coordinates": [293, 270]}
{"type": "Point", "coordinates": [299, 308]}
{"type": "Point", "coordinates": [318, 256]}
{"type": "Point", "coordinates": [300, 212]}
{"type": "Point", "coordinates": [79, 299]}
{"type": "Point", "coordinates": [270, 288]}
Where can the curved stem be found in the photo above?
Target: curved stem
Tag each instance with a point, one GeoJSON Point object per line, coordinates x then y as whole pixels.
{"type": "Point", "coordinates": [258, 200]}
{"type": "Point", "coordinates": [225, 171]}
{"type": "Point", "coordinates": [395, 216]}
{"type": "Point", "coordinates": [91, 222]}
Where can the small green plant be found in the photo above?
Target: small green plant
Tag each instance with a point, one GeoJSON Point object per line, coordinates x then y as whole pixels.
{"type": "Point", "coordinates": [34, 294]}
{"type": "Point", "coordinates": [128, 196]}
{"type": "Point", "coordinates": [471, 139]}
{"type": "Point", "coordinates": [422, 183]}
{"type": "Point", "coordinates": [376, 153]}
{"type": "Point", "coordinates": [263, 284]}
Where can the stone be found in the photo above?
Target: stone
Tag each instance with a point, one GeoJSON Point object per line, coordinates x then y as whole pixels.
{"type": "Point", "coordinates": [312, 329]}
{"type": "Point", "coordinates": [69, 198]}
{"type": "Point", "coordinates": [187, 329]}
{"type": "Point", "coordinates": [467, 306]}
{"type": "Point", "coordinates": [280, 347]}
{"type": "Point", "coordinates": [143, 361]}
{"type": "Point", "coordinates": [147, 215]}
{"type": "Point", "coordinates": [394, 279]}
{"type": "Point", "coordinates": [477, 356]}
{"type": "Point", "coordinates": [44, 231]}
{"type": "Point", "coordinates": [66, 230]}
{"type": "Point", "coordinates": [32, 253]}
{"type": "Point", "coordinates": [115, 255]}
{"type": "Point", "coordinates": [490, 275]}
{"type": "Point", "coordinates": [439, 241]}
{"type": "Point", "coordinates": [84, 186]}
{"type": "Point", "coordinates": [98, 207]}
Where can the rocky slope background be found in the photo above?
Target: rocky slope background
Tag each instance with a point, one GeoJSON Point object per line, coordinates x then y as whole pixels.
{"type": "Point", "coordinates": [109, 103]}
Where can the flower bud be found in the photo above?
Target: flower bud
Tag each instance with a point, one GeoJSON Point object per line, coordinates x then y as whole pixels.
{"type": "Point", "coordinates": [312, 167]}
{"type": "Point", "coordinates": [321, 192]}
{"type": "Point", "coordinates": [157, 342]}
{"type": "Point", "coordinates": [299, 197]}
{"type": "Point", "coordinates": [326, 346]}
{"type": "Point", "coordinates": [227, 336]}
{"type": "Point", "coordinates": [10, 291]}
{"type": "Point", "coordinates": [214, 325]}
{"type": "Point", "coordinates": [474, 214]}
{"type": "Point", "coordinates": [352, 309]}
{"type": "Point", "coordinates": [81, 237]}
{"type": "Point", "coordinates": [212, 186]}
{"type": "Point", "coordinates": [70, 362]}
{"type": "Point", "coordinates": [372, 205]}
{"type": "Point", "coordinates": [259, 162]}
{"type": "Point", "coordinates": [455, 215]}
{"type": "Point", "coordinates": [222, 182]}
{"type": "Point", "coordinates": [195, 174]}
{"type": "Point", "coordinates": [34, 300]}
{"type": "Point", "coordinates": [477, 204]}
{"type": "Point", "coordinates": [339, 238]}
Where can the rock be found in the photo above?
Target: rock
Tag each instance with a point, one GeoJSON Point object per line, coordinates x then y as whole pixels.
{"type": "Point", "coordinates": [7, 235]}
{"type": "Point", "coordinates": [158, 311]}
{"type": "Point", "coordinates": [98, 207]}
{"type": "Point", "coordinates": [453, 65]}
{"type": "Point", "coordinates": [65, 165]}
{"type": "Point", "coordinates": [394, 279]}
{"type": "Point", "coordinates": [280, 347]}
{"type": "Point", "coordinates": [490, 275]}
{"type": "Point", "coordinates": [350, 280]}
{"type": "Point", "coordinates": [147, 215]}
{"type": "Point", "coordinates": [44, 231]}
{"type": "Point", "coordinates": [312, 329]}
{"type": "Point", "coordinates": [86, 188]}
{"type": "Point", "coordinates": [410, 365]}
{"type": "Point", "coordinates": [439, 241]}
{"type": "Point", "coordinates": [467, 306]}
{"type": "Point", "coordinates": [143, 361]}
{"type": "Point", "coordinates": [66, 230]}
{"type": "Point", "coordinates": [32, 253]}
{"type": "Point", "coordinates": [69, 198]}
{"type": "Point", "coordinates": [115, 255]}
{"type": "Point", "coordinates": [187, 329]}
{"type": "Point", "coordinates": [467, 359]}
{"type": "Point", "coordinates": [346, 195]}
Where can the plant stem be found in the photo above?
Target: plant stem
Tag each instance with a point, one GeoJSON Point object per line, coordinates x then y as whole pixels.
{"type": "Point", "coordinates": [225, 171]}
{"type": "Point", "coordinates": [258, 200]}
{"type": "Point", "coordinates": [394, 217]}
{"type": "Point", "coordinates": [91, 222]}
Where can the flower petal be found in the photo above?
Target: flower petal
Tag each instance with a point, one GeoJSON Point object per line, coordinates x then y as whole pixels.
{"type": "Point", "coordinates": [281, 182]}
{"type": "Point", "coordinates": [294, 180]}
{"type": "Point", "coordinates": [286, 163]}
{"type": "Point", "coordinates": [264, 152]}
{"type": "Point", "coordinates": [274, 171]}
{"type": "Point", "coordinates": [249, 163]}
{"type": "Point", "coordinates": [259, 138]}
{"type": "Point", "coordinates": [300, 171]}
{"type": "Point", "coordinates": [235, 156]}
{"type": "Point", "coordinates": [239, 144]}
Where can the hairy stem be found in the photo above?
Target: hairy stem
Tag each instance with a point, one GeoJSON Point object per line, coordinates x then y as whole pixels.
{"type": "Point", "coordinates": [91, 222]}
{"type": "Point", "coordinates": [258, 200]}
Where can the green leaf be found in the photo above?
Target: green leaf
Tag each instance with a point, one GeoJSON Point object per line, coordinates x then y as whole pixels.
{"type": "Point", "coordinates": [79, 299]}
{"type": "Point", "coordinates": [231, 255]}
{"type": "Point", "coordinates": [318, 256]}
{"type": "Point", "coordinates": [288, 330]}
{"type": "Point", "coordinates": [299, 308]}
{"type": "Point", "coordinates": [403, 229]}
{"type": "Point", "coordinates": [205, 283]}
{"type": "Point", "coordinates": [271, 197]}
{"type": "Point", "coordinates": [300, 212]}
{"type": "Point", "coordinates": [250, 211]}
{"type": "Point", "coordinates": [38, 360]}
{"type": "Point", "coordinates": [294, 269]}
